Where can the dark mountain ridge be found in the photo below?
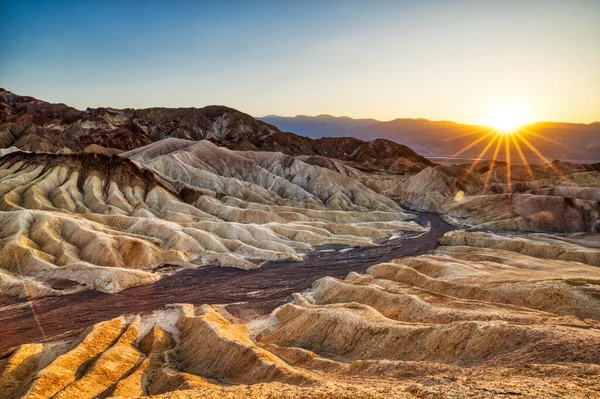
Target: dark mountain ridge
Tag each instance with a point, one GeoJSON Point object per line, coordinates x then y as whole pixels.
{"type": "Point", "coordinates": [34, 125]}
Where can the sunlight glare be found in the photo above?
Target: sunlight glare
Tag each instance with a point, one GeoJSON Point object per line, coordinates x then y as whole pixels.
{"type": "Point", "coordinates": [507, 119]}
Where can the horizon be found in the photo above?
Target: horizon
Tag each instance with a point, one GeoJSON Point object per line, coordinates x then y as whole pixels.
{"type": "Point", "coordinates": [414, 119]}
{"type": "Point", "coordinates": [320, 115]}
{"type": "Point", "coordinates": [440, 61]}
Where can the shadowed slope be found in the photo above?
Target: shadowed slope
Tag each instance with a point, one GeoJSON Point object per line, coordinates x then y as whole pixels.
{"type": "Point", "coordinates": [34, 125]}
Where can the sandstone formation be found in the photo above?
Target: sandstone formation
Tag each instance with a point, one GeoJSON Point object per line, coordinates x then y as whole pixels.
{"type": "Point", "coordinates": [464, 320]}
{"type": "Point", "coordinates": [556, 200]}
{"type": "Point", "coordinates": [270, 178]}
{"type": "Point", "coordinates": [108, 223]}
{"type": "Point", "coordinates": [569, 248]}
{"type": "Point", "coordinates": [557, 197]}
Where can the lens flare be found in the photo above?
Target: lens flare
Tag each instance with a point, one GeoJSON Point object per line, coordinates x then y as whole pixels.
{"type": "Point", "coordinates": [30, 297]}
{"type": "Point", "coordinates": [508, 135]}
{"type": "Point", "coordinates": [507, 119]}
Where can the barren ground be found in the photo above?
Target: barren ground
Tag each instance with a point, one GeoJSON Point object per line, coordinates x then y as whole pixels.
{"type": "Point", "coordinates": [251, 292]}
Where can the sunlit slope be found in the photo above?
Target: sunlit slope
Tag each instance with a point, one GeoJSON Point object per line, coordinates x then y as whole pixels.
{"type": "Point", "coordinates": [559, 198]}
{"type": "Point", "coordinates": [108, 222]}
{"type": "Point", "coordinates": [464, 319]}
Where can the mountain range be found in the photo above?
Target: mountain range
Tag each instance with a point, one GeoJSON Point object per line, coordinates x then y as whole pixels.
{"type": "Point", "coordinates": [35, 125]}
{"type": "Point", "coordinates": [443, 139]}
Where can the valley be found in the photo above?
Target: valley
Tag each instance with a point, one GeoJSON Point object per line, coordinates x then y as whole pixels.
{"type": "Point", "coordinates": [199, 252]}
{"type": "Point", "coordinates": [251, 292]}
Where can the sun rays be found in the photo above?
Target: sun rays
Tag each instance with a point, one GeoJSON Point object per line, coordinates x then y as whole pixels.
{"type": "Point", "coordinates": [502, 145]}
{"type": "Point", "coordinates": [501, 138]}
{"type": "Point", "coordinates": [507, 118]}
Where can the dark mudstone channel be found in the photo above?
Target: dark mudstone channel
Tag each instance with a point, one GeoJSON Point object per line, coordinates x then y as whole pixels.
{"type": "Point", "coordinates": [254, 291]}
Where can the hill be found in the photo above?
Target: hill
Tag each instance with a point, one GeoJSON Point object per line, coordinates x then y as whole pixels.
{"type": "Point", "coordinates": [34, 125]}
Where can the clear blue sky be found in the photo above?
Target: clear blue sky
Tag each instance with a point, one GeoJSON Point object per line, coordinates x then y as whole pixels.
{"type": "Point", "coordinates": [453, 60]}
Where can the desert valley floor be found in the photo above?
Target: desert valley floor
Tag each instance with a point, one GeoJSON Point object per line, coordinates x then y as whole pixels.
{"type": "Point", "coordinates": [198, 253]}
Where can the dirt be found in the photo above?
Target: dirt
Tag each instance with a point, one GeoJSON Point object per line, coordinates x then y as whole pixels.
{"type": "Point", "coordinates": [249, 292]}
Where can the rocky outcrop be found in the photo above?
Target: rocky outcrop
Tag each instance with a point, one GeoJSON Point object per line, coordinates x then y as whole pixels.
{"type": "Point", "coordinates": [557, 197]}
{"type": "Point", "coordinates": [34, 125]}
{"type": "Point", "coordinates": [461, 305]}
{"type": "Point", "coordinates": [553, 202]}
{"type": "Point", "coordinates": [257, 176]}
{"type": "Point", "coordinates": [60, 371]}
{"type": "Point", "coordinates": [467, 319]}
{"type": "Point", "coordinates": [539, 245]}
{"type": "Point", "coordinates": [227, 353]}
{"type": "Point", "coordinates": [135, 356]}
{"type": "Point", "coordinates": [108, 222]}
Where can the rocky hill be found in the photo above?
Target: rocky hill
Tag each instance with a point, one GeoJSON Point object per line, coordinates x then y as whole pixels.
{"type": "Point", "coordinates": [111, 222]}
{"type": "Point", "coordinates": [34, 125]}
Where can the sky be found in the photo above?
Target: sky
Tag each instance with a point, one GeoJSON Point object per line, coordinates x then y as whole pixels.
{"type": "Point", "coordinates": [440, 60]}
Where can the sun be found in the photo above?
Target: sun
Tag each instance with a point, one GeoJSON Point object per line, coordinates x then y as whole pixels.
{"type": "Point", "coordinates": [507, 119]}
{"type": "Point", "coordinates": [508, 132]}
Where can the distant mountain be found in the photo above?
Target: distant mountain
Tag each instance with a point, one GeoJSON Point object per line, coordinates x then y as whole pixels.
{"type": "Point", "coordinates": [320, 126]}
{"type": "Point", "coordinates": [34, 125]}
{"type": "Point", "coordinates": [555, 140]}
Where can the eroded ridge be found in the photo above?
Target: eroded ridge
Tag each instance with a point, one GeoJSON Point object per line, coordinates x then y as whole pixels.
{"type": "Point", "coordinates": [464, 320]}
{"type": "Point", "coordinates": [557, 197]}
{"type": "Point", "coordinates": [177, 348]}
{"type": "Point", "coordinates": [108, 222]}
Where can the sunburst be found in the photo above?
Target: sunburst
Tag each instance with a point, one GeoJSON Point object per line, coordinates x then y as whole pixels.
{"type": "Point", "coordinates": [508, 131]}
{"type": "Point", "coordinates": [507, 119]}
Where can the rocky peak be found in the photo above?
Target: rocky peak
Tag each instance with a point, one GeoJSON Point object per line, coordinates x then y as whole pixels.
{"type": "Point", "coordinates": [31, 124]}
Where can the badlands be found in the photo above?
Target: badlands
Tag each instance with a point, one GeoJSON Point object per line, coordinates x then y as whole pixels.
{"type": "Point", "coordinates": [183, 253]}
